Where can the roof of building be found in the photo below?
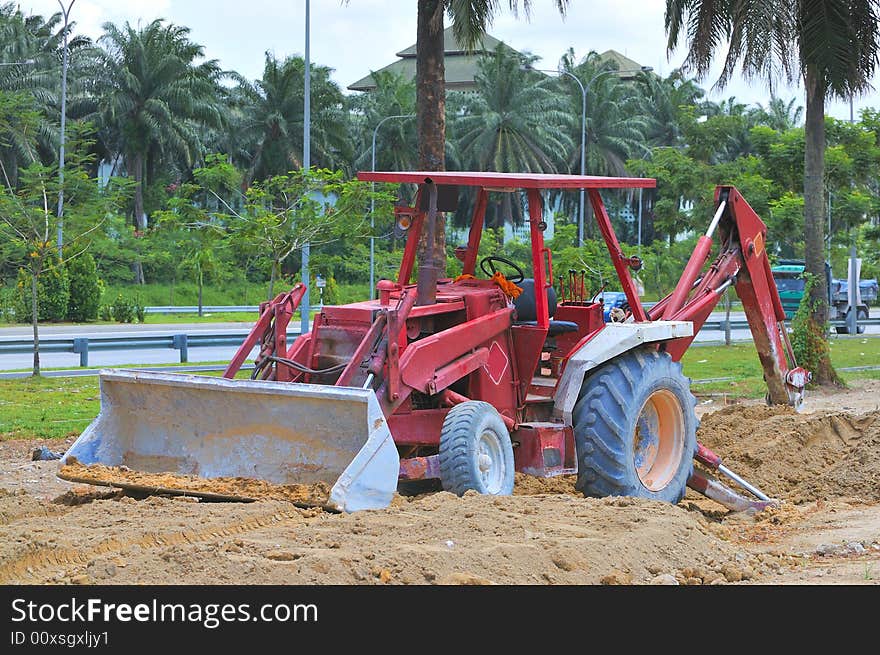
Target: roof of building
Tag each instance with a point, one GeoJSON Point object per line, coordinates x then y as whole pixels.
{"type": "Point", "coordinates": [461, 64]}
{"type": "Point", "coordinates": [623, 62]}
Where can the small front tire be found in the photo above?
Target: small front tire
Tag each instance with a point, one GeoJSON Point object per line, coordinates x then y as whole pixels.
{"type": "Point", "coordinates": [475, 451]}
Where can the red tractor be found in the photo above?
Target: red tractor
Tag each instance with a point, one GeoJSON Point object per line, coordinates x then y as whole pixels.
{"type": "Point", "coordinates": [467, 379]}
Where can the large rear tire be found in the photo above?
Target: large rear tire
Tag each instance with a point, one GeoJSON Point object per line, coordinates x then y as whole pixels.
{"type": "Point", "coordinates": [475, 451]}
{"type": "Point", "coordinates": [635, 428]}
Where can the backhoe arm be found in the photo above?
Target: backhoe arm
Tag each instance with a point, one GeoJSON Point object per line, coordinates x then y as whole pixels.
{"type": "Point", "coordinates": [742, 261]}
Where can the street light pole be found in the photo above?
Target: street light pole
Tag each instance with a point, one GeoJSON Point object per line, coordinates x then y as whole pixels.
{"type": "Point", "coordinates": [373, 206]}
{"type": "Point", "coordinates": [306, 307]}
{"type": "Point", "coordinates": [580, 241]}
{"type": "Point", "coordinates": [646, 69]}
{"type": "Point", "coordinates": [64, 63]}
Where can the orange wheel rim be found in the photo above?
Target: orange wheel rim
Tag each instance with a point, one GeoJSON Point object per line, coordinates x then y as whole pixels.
{"type": "Point", "coordinates": [658, 442]}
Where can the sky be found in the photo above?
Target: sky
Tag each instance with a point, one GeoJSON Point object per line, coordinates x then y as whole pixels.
{"type": "Point", "coordinates": [362, 35]}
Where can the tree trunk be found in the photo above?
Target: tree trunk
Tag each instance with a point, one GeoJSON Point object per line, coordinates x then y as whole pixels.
{"type": "Point", "coordinates": [431, 105]}
{"type": "Point", "coordinates": [201, 286]}
{"type": "Point", "coordinates": [35, 323]}
{"type": "Point", "coordinates": [814, 215]}
{"type": "Point", "coordinates": [140, 221]}
{"type": "Point", "coordinates": [272, 279]}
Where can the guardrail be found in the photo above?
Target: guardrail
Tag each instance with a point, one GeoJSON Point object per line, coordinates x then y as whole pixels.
{"type": "Point", "coordinates": [183, 342]}
{"type": "Point", "coordinates": [210, 309]}
{"type": "Point", "coordinates": [744, 325]}
{"type": "Point", "coordinates": [82, 346]}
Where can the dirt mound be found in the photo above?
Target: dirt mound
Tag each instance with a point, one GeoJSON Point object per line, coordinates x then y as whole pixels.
{"type": "Point", "coordinates": [243, 488]}
{"type": "Point", "coordinates": [15, 506]}
{"type": "Point", "coordinates": [799, 457]}
{"type": "Point", "coordinates": [437, 538]}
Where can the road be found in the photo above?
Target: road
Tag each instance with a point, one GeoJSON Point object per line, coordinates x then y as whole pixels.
{"type": "Point", "coordinates": [199, 354]}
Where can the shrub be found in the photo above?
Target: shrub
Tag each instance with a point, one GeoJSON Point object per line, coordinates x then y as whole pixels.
{"type": "Point", "coordinates": [807, 337]}
{"type": "Point", "coordinates": [85, 288]}
{"type": "Point", "coordinates": [7, 305]}
{"type": "Point", "coordinates": [105, 312]}
{"type": "Point", "coordinates": [53, 292]}
{"type": "Point", "coordinates": [139, 310]}
{"type": "Point", "coordinates": [122, 309]}
{"type": "Point", "coordinates": [331, 291]}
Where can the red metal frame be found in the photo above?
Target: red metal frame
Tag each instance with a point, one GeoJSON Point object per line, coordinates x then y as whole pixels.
{"type": "Point", "coordinates": [270, 330]}
{"type": "Point", "coordinates": [476, 233]}
{"type": "Point", "coordinates": [509, 181]}
{"type": "Point", "coordinates": [536, 215]}
{"type": "Point", "coordinates": [620, 261]}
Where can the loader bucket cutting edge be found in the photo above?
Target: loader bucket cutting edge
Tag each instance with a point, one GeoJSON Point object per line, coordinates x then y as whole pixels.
{"type": "Point", "coordinates": [283, 433]}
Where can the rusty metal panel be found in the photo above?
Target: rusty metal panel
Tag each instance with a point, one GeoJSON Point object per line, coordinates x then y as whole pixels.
{"type": "Point", "coordinates": [420, 468]}
{"type": "Point", "coordinates": [544, 450]}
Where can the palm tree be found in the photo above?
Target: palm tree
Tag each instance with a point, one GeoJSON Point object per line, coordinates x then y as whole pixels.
{"type": "Point", "coordinates": [617, 119]}
{"type": "Point", "coordinates": [668, 99]}
{"type": "Point", "coordinates": [469, 23]}
{"type": "Point", "coordinates": [151, 97]}
{"type": "Point", "coordinates": [832, 45]}
{"type": "Point", "coordinates": [394, 95]}
{"type": "Point", "coordinates": [515, 122]}
{"type": "Point", "coordinates": [723, 136]}
{"type": "Point", "coordinates": [30, 51]}
{"type": "Point", "coordinates": [617, 122]}
{"type": "Point", "coordinates": [271, 125]}
{"type": "Point", "coordinates": [780, 115]}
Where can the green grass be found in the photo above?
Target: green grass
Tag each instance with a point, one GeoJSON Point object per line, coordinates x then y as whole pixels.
{"type": "Point", "coordinates": [740, 361]}
{"type": "Point", "coordinates": [186, 293]}
{"type": "Point", "coordinates": [47, 408]}
{"type": "Point", "coordinates": [51, 408]}
{"type": "Point", "coordinates": [217, 317]}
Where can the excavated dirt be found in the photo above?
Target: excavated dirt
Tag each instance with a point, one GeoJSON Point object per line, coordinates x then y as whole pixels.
{"type": "Point", "coordinates": [823, 465]}
{"type": "Point", "coordinates": [242, 488]}
{"type": "Point", "coordinates": [799, 458]}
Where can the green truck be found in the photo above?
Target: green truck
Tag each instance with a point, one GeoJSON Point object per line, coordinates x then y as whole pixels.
{"type": "Point", "coordinates": [788, 274]}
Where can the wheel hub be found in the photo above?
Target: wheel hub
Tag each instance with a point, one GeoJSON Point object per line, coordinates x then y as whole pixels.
{"type": "Point", "coordinates": [490, 462]}
{"type": "Point", "coordinates": [658, 443]}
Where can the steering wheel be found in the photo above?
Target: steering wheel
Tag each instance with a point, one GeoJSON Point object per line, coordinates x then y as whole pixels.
{"type": "Point", "coordinates": [519, 277]}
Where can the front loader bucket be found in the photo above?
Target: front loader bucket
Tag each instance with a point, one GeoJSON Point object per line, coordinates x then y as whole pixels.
{"type": "Point", "coordinates": [278, 432]}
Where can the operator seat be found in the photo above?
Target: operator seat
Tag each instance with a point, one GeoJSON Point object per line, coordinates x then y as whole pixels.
{"type": "Point", "coordinates": [526, 313]}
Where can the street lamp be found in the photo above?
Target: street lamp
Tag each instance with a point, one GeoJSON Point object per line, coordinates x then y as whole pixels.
{"type": "Point", "coordinates": [373, 206]}
{"type": "Point", "coordinates": [65, 58]}
{"type": "Point", "coordinates": [305, 307]}
{"type": "Point", "coordinates": [26, 62]}
{"type": "Point", "coordinates": [645, 69]}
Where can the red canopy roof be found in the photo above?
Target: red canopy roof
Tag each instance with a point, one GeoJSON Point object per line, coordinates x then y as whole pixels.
{"type": "Point", "coordinates": [509, 180]}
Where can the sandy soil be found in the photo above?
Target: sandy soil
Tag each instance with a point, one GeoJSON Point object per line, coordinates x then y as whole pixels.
{"type": "Point", "coordinates": [824, 464]}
